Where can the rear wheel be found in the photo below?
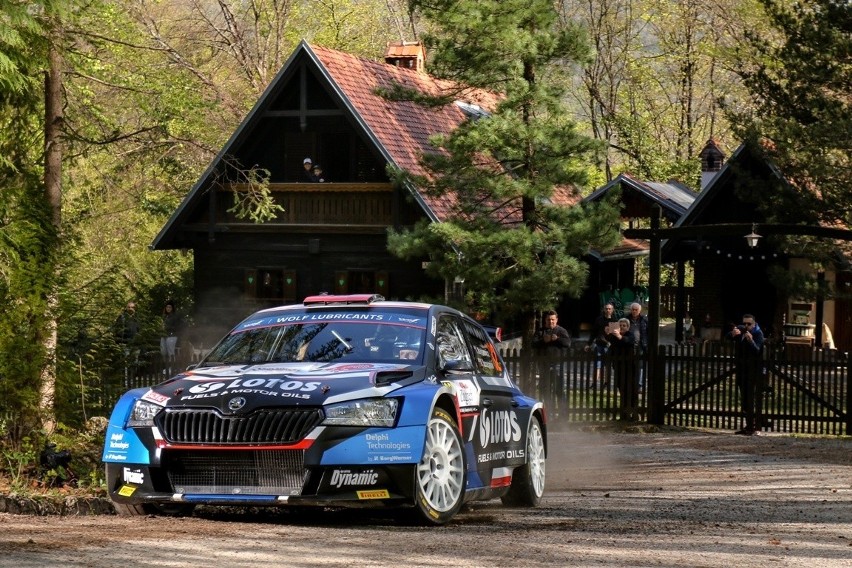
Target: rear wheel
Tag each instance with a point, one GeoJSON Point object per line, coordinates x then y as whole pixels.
{"type": "Point", "coordinates": [528, 480]}
{"type": "Point", "coordinates": [441, 473]}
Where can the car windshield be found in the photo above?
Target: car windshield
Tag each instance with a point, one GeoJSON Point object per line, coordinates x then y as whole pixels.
{"type": "Point", "coordinates": [344, 341]}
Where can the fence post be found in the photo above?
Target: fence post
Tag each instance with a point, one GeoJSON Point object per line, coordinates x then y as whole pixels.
{"type": "Point", "coordinates": [849, 394]}
{"type": "Point", "coordinates": [656, 410]}
{"type": "Point", "coordinates": [656, 387]}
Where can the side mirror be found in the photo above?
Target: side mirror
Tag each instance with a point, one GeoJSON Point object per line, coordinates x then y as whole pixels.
{"type": "Point", "coordinates": [457, 366]}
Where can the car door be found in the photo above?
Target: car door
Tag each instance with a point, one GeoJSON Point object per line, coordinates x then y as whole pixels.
{"type": "Point", "coordinates": [501, 425]}
{"type": "Point", "coordinates": [485, 401]}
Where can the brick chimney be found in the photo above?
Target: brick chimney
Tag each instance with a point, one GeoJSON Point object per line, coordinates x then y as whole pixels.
{"type": "Point", "coordinates": [408, 54]}
{"type": "Point", "coordinates": [712, 160]}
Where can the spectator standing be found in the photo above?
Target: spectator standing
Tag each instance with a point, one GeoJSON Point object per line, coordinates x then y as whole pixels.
{"type": "Point", "coordinates": [127, 326]}
{"type": "Point", "coordinates": [598, 340]}
{"type": "Point", "coordinates": [550, 342]}
{"type": "Point", "coordinates": [688, 329]}
{"type": "Point", "coordinates": [170, 328]}
{"type": "Point", "coordinates": [748, 356]}
{"type": "Point", "coordinates": [639, 325]}
{"type": "Point", "coordinates": [639, 322]}
{"type": "Point", "coordinates": [624, 342]}
{"type": "Point", "coordinates": [126, 330]}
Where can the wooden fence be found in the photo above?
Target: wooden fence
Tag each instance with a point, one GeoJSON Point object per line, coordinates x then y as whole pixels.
{"type": "Point", "coordinates": [806, 391]}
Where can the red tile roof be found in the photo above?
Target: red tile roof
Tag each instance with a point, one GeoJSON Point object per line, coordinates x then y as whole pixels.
{"type": "Point", "coordinates": [403, 128]}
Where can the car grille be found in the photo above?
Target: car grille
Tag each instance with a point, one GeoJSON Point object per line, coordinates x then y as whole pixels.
{"type": "Point", "coordinates": [266, 426]}
{"type": "Point", "coordinates": [244, 472]}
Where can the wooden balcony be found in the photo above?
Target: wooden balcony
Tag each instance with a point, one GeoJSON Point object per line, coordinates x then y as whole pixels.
{"type": "Point", "coordinates": [330, 206]}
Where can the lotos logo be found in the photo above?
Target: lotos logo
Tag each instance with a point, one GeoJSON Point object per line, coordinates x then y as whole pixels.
{"type": "Point", "coordinates": [498, 426]}
{"type": "Point", "coordinates": [280, 384]}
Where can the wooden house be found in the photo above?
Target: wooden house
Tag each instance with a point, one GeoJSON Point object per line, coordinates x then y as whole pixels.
{"type": "Point", "coordinates": [732, 277]}
{"type": "Point", "coordinates": [323, 105]}
{"type": "Point", "coordinates": [613, 273]}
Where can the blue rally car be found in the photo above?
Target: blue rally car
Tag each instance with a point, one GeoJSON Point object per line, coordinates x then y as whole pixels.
{"type": "Point", "coordinates": [342, 401]}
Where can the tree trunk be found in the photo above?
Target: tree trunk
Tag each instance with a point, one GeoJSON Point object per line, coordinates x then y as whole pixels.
{"type": "Point", "coordinates": [53, 123]}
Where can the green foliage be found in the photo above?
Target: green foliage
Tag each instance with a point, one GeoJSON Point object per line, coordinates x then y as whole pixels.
{"type": "Point", "coordinates": [801, 83]}
{"type": "Point", "coordinates": [20, 31]}
{"type": "Point", "coordinates": [507, 237]}
{"type": "Point", "coordinates": [253, 199]}
{"type": "Point", "coordinates": [19, 460]}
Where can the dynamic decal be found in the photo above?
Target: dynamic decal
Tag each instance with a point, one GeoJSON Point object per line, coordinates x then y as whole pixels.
{"type": "Point", "coordinates": [345, 477]}
{"type": "Point", "coordinates": [133, 476]}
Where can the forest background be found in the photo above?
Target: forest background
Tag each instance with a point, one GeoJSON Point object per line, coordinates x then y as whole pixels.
{"type": "Point", "coordinates": [111, 109]}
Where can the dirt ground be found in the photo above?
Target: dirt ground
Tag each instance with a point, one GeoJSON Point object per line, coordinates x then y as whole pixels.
{"type": "Point", "coordinates": [615, 497]}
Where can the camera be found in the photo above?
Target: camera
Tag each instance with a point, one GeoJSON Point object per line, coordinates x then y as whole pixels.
{"type": "Point", "coordinates": [742, 328]}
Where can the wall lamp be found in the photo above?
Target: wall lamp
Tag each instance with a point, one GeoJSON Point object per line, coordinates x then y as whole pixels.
{"type": "Point", "coordinates": [752, 238]}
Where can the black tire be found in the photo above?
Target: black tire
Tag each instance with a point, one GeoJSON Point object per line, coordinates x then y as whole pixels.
{"type": "Point", "coordinates": [528, 480]}
{"type": "Point", "coordinates": [441, 475]}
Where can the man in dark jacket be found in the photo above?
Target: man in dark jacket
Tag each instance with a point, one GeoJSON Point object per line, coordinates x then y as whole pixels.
{"type": "Point", "coordinates": [639, 326]}
{"type": "Point", "coordinates": [748, 341]}
{"type": "Point", "coordinates": [550, 342]}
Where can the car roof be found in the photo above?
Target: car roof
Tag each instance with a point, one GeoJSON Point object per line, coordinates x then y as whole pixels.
{"type": "Point", "coordinates": [349, 301]}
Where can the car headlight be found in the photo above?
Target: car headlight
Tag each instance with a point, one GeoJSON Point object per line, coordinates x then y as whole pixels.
{"type": "Point", "coordinates": [379, 412]}
{"type": "Point", "coordinates": [143, 413]}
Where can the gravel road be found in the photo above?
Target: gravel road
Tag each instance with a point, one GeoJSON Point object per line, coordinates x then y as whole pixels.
{"type": "Point", "coordinates": [614, 498]}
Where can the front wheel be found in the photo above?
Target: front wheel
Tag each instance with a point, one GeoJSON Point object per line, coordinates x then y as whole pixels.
{"type": "Point", "coordinates": [441, 473]}
{"type": "Point", "coordinates": [528, 480]}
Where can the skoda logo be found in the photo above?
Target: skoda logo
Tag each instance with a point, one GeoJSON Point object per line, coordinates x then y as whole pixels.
{"type": "Point", "coordinates": [236, 403]}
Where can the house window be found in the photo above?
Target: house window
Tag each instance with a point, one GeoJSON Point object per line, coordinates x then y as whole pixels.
{"type": "Point", "coordinates": [271, 284]}
{"type": "Point", "coordinates": [361, 282]}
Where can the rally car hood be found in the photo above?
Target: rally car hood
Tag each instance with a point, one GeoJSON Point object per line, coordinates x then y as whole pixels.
{"type": "Point", "coordinates": [281, 384]}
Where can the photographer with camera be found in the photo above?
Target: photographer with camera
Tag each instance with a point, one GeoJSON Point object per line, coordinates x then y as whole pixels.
{"type": "Point", "coordinates": [748, 341]}
{"type": "Point", "coordinates": [550, 342]}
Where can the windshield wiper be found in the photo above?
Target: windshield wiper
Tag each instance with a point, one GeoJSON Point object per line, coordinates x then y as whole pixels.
{"type": "Point", "coordinates": [341, 340]}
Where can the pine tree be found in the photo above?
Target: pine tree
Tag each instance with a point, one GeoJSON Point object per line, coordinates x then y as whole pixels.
{"type": "Point", "coordinates": [802, 86]}
{"type": "Point", "coordinates": [514, 247]}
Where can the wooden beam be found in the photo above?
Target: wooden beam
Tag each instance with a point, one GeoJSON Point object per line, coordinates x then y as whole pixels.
{"type": "Point", "coordinates": [738, 229]}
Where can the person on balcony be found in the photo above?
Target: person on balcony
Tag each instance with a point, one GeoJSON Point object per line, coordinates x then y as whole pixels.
{"type": "Point", "coordinates": [748, 342]}
{"type": "Point", "coordinates": [308, 172]}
